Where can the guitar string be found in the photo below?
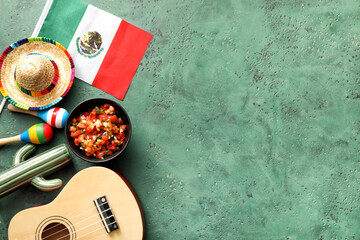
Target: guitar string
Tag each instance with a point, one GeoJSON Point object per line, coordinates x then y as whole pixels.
{"type": "Point", "coordinates": [31, 237]}
{"type": "Point", "coordinates": [88, 232]}
{"type": "Point", "coordinates": [69, 218]}
{"type": "Point", "coordinates": [76, 231]}
{"type": "Point", "coordinates": [80, 221]}
{"type": "Point", "coordinates": [84, 234]}
{"type": "Point", "coordinates": [77, 216]}
{"type": "Point", "coordinates": [80, 228]}
{"type": "Point", "coordinates": [70, 233]}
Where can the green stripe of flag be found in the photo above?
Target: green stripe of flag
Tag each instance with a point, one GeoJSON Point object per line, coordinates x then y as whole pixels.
{"type": "Point", "coordinates": [40, 133]}
{"type": "Point", "coordinates": [64, 16]}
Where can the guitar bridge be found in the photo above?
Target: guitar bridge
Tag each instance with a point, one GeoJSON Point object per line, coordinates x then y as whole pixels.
{"type": "Point", "coordinates": [106, 214]}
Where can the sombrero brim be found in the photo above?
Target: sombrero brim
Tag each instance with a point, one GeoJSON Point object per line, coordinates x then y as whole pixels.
{"type": "Point", "coordinates": [48, 47]}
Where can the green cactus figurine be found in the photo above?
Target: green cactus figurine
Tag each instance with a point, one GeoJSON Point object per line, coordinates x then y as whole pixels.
{"type": "Point", "coordinates": [34, 169]}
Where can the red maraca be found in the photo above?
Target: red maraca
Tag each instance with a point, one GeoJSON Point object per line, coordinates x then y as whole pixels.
{"type": "Point", "coordinates": [37, 134]}
{"type": "Point", "coordinates": [55, 117]}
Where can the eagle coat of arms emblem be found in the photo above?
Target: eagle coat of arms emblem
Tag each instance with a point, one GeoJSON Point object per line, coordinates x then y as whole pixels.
{"type": "Point", "coordinates": [90, 45]}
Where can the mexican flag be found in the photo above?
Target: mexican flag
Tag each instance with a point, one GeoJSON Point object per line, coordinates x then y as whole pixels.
{"type": "Point", "coordinates": [106, 50]}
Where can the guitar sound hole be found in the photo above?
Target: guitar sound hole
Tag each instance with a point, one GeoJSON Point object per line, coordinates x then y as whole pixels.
{"type": "Point", "coordinates": [55, 231]}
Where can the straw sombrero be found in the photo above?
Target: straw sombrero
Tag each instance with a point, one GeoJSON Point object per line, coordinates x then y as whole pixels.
{"type": "Point", "coordinates": [36, 73]}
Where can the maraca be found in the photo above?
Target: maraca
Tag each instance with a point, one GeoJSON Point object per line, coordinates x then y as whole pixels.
{"type": "Point", "coordinates": [55, 117]}
{"type": "Point", "coordinates": [37, 134]}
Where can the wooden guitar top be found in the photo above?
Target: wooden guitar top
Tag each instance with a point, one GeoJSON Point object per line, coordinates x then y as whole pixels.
{"type": "Point", "coordinates": [95, 204]}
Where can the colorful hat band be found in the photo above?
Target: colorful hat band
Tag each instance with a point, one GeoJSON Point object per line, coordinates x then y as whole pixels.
{"type": "Point", "coordinates": [49, 88]}
{"type": "Point", "coordinates": [44, 102]}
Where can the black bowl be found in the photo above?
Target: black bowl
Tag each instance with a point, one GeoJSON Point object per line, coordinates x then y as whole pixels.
{"type": "Point", "coordinates": [84, 107]}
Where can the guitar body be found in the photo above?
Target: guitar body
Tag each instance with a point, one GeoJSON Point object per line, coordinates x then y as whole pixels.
{"type": "Point", "coordinates": [95, 204]}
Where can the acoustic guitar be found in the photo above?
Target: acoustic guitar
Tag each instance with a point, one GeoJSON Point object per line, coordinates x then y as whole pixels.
{"type": "Point", "coordinates": [95, 204]}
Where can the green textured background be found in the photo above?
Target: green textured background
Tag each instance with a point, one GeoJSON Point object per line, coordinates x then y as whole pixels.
{"type": "Point", "coordinates": [245, 118]}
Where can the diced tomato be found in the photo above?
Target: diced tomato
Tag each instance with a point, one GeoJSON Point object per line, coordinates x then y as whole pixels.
{"type": "Point", "coordinates": [77, 141]}
{"type": "Point", "coordinates": [81, 125]}
{"type": "Point", "coordinates": [92, 115]}
{"type": "Point", "coordinates": [115, 129]}
{"type": "Point", "coordinates": [89, 144]}
{"type": "Point", "coordinates": [112, 147]}
{"type": "Point", "coordinates": [89, 150]}
{"type": "Point", "coordinates": [103, 117]}
{"type": "Point", "coordinates": [113, 119]}
{"type": "Point", "coordinates": [99, 154]}
{"type": "Point", "coordinates": [89, 129]}
{"type": "Point", "coordinates": [105, 138]}
{"type": "Point", "coordinates": [75, 134]}
{"type": "Point", "coordinates": [122, 128]}
{"type": "Point", "coordinates": [81, 137]}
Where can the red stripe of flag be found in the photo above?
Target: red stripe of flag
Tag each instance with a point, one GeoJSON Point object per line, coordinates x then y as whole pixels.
{"type": "Point", "coordinates": [122, 60]}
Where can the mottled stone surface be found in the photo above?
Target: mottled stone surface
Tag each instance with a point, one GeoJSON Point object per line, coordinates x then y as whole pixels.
{"type": "Point", "coordinates": [245, 118]}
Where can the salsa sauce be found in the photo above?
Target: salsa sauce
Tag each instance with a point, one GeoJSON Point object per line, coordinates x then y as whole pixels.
{"type": "Point", "coordinates": [99, 132]}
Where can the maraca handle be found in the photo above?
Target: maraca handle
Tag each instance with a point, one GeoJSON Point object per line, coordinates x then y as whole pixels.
{"type": "Point", "coordinates": [4, 141]}
{"type": "Point", "coordinates": [16, 109]}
